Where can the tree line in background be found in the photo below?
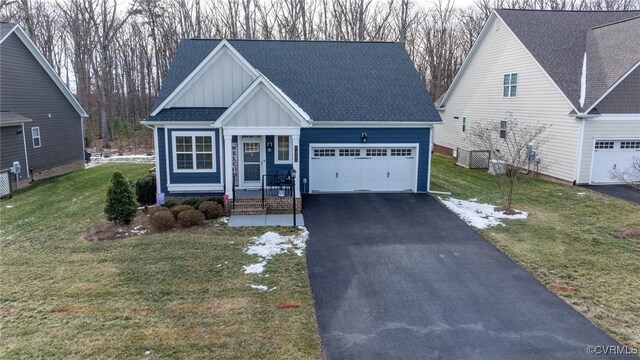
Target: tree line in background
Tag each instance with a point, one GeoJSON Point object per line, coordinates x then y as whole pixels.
{"type": "Point", "coordinates": [115, 54]}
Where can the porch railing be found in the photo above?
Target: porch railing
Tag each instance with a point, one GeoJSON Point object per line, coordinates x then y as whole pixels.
{"type": "Point", "coordinates": [279, 185]}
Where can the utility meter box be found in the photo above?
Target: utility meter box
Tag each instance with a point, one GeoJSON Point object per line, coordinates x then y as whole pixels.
{"type": "Point", "coordinates": [15, 169]}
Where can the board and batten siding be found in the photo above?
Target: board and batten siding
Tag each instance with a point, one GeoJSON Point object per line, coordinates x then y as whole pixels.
{"type": "Point", "coordinates": [218, 84]}
{"type": "Point", "coordinates": [607, 130]}
{"type": "Point", "coordinates": [261, 110]}
{"type": "Point", "coordinates": [477, 96]}
{"type": "Point", "coordinates": [165, 152]}
{"type": "Point", "coordinates": [418, 136]}
{"type": "Point", "coordinates": [26, 88]}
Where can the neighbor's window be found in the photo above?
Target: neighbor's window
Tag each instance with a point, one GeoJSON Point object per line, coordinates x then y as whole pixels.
{"type": "Point", "coordinates": [193, 152]}
{"type": "Point", "coordinates": [503, 129]}
{"type": "Point", "coordinates": [509, 85]}
{"type": "Point", "coordinates": [283, 154]}
{"type": "Point", "coordinates": [35, 136]}
{"type": "Point", "coordinates": [464, 124]}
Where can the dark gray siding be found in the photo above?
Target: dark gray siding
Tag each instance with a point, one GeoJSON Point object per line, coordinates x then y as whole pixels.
{"type": "Point", "coordinates": [624, 98]}
{"type": "Point", "coordinates": [26, 88]}
{"type": "Point", "coordinates": [12, 149]}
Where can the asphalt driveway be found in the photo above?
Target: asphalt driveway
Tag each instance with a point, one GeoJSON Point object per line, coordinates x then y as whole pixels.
{"type": "Point", "coordinates": [624, 192]}
{"type": "Point", "coordinates": [398, 276]}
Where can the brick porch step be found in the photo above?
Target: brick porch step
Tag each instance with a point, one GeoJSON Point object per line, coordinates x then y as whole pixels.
{"type": "Point", "coordinates": [251, 210]}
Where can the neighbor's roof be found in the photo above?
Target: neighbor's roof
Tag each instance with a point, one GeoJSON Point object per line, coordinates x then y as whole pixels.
{"type": "Point", "coordinates": [8, 118]}
{"type": "Point", "coordinates": [558, 41]}
{"type": "Point", "coordinates": [329, 80]}
{"type": "Point", "coordinates": [5, 28]}
{"type": "Point", "coordinates": [188, 114]}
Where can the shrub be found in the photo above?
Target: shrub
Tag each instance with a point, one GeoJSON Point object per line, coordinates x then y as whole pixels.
{"type": "Point", "coordinates": [211, 210]}
{"type": "Point", "coordinates": [121, 202]}
{"type": "Point", "coordinates": [156, 209]}
{"type": "Point", "coordinates": [176, 210]}
{"type": "Point", "coordinates": [190, 218]}
{"type": "Point", "coordinates": [219, 200]}
{"type": "Point", "coordinates": [162, 220]}
{"type": "Point", "coordinates": [146, 189]}
{"type": "Point", "coordinates": [194, 203]}
{"type": "Point", "coordinates": [169, 204]}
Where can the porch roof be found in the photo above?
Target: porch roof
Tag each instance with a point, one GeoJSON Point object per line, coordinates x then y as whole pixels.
{"type": "Point", "coordinates": [187, 114]}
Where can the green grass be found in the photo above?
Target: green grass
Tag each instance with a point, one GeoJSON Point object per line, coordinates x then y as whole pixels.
{"type": "Point", "coordinates": [568, 243]}
{"type": "Point", "coordinates": [63, 297]}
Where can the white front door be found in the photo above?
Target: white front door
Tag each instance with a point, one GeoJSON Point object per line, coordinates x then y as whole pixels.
{"type": "Point", "coordinates": [612, 155]}
{"type": "Point", "coordinates": [251, 162]}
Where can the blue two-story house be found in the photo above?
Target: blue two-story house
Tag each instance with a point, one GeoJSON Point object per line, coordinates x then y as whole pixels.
{"type": "Point", "coordinates": [346, 116]}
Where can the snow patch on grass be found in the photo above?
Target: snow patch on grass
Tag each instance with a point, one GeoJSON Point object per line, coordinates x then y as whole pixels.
{"type": "Point", "coordinates": [270, 244]}
{"type": "Point", "coordinates": [480, 215]}
{"type": "Point", "coordinates": [261, 287]}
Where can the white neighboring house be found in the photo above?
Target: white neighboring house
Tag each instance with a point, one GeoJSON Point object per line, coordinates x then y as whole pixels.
{"type": "Point", "coordinates": [575, 70]}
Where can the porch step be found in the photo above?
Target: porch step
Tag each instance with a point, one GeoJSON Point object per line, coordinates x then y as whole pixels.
{"type": "Point", "coordinates": [248, 207]}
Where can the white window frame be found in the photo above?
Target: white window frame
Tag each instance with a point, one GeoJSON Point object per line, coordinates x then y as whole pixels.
{"type": "Point", "coordinates": [34, 137]}
{"type": "Point", "coordinates": [193, 135]}
{"type": "Point", "coordinates": [505, 129]}
{"type": "Point", "coordinates": [277, 150]}
{"type": "Point", "coordinates": [510, 85]}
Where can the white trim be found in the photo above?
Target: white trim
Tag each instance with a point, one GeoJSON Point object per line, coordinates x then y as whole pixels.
{"type": "Point", "coordinates": [370, 145]}
{"type": "Point", "coordinates": [223, 43]}
{"type": "Point", "coordinates": [583, 81]}
{"type": "Point", "coordinates": [178, 124]}
{"type": "Point", "coordinates": [33, 137]}
{"type": "Point", "coordinates": [22, 35]}
{"type": "Point", "coordinates": [193, 135]}
{"type": "Point", "coordinates": [156, 149]}
{"type": "Point", "coordinates": [166, 156]}
{"type": "Point", "coordinates": [617, 117]}
{"type": "Point", "coordinates": [26, 156]}
{"type": "Point", "coordinates": [624, 76]}
{"type": "Point", "coordinates": [375, 124]}
{"type": "Point", "coordinates": [277, 149]}
{"type": "Point", "coordinates": [228, 164]}
{"type": "Point", "coordinates": [580, 151]}
{"type": "Point", "coordinates": [429, 162]}
{"type": "Point", "coordinates": [295, 140]}
{"type": "Point", "coordinates": [262, 161]}
{"type": "Point", "coordinates": [248, 131]}
{"type": "Point", "coordinates": [84, 145]}
{"type": "Point", "coordinates": [276, 95]}
{"type": "Point", "coordinates": [194, 188]}
{"type": "Point", "coordinates": [593, 153]}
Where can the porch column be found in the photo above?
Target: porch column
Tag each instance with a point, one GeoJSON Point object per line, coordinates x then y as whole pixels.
{"type": "Point", "coordinates": [296, 161]}
{"type": "Point", "coordinates": [228, 167]}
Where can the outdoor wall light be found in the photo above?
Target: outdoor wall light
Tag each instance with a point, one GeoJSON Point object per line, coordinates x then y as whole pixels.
{"type": "Point", "coordinates": [364, 137]}
{"type": "Point", "coordinates": [269, 146]}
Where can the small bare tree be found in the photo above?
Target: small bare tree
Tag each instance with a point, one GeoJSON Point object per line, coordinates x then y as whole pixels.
{"type": "Point", "coordinates": [630, 175]}
{"type": "Point", "coordinates": [514, 151]}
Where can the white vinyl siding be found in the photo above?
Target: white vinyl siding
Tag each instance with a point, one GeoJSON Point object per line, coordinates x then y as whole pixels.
{"type": "Point", "coordinates": [604, 131]}
{"type": "Point", "coordinates": [218, 84]}
{"type": "Point", "coordinates": [478, 95]}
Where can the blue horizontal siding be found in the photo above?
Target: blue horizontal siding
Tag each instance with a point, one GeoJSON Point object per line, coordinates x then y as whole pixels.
{"type": "Point", "coordinates": [212, 177]}
{"type": "Point", "coordinates": [272, 167]}
{"type": "Point", "coordinates": [374, 136]}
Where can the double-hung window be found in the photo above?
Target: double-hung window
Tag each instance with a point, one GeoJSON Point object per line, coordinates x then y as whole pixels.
{"type": "Point", "coordinates": [193, 152]}
{"type": "Point", "coordinates": [35, 137]}
{"type": "Point", "coordinates": [283, 150]}
{"type": "Point", "coordinates": [509, 85]}
{"type": "Point", "coordinates": [503, 129]}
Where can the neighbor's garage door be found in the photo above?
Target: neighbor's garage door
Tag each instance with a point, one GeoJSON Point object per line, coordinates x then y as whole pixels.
{"type": "Point", "coordinates": [351, 168]}
{"type": "Point", "coordinates": [609, 155]}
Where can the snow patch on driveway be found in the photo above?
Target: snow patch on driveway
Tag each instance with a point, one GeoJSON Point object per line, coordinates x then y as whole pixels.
{"type": "Point", "coordinates": [270, 244]}
{"type": "Point", "coordinates": [480, 215]}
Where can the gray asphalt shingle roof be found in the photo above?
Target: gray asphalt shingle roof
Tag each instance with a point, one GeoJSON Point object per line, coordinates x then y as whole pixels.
{"type": "Point", "coordinates": [8, 118]}
{"type": "Point", "coordinates": [5, 28]}
{"type": "Point", "coordinates": [188, 114]}
{"type": "Point", "coordinates": [558, 40]}
{"type": "Point", "coordinates": [329, 80]}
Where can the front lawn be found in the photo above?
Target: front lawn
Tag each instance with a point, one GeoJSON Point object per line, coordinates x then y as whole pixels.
{"type": "Point", "coordinates": [569, 242]}
{"type": "Point", "coordinates": [181, 294]}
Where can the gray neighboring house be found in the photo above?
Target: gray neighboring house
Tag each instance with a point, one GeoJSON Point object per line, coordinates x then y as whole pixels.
{"type": "Point", "coordinates": [41, 122]}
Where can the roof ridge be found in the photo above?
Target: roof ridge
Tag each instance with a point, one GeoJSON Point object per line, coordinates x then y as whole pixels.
{"type": "Point", "coordinates": [615, 22]}
{"type": "Point", "coordinates": [294, 40]}
{"type": "Point", "coordinates": [576, 11]}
